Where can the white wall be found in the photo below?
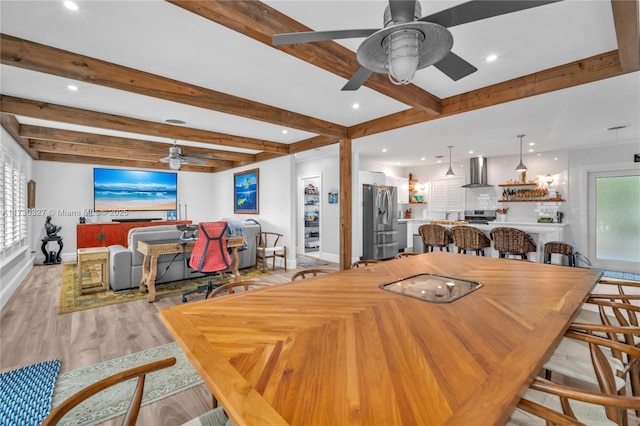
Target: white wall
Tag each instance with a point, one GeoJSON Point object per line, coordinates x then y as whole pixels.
{"type": "Point", "coordinates": [16, 263]}
{"type": "Point", "coordinates": [277, 194]}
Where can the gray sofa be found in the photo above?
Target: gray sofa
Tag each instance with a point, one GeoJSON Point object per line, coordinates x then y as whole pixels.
{"type": "Point", "coordinates": [126, 262]}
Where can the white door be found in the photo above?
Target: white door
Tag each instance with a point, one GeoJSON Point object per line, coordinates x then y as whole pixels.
{"type": "Point", "coordinates": [614, 220]}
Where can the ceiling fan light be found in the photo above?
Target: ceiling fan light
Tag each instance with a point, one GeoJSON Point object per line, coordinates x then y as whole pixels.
{"type": "Point", "coordinates": [174, 163]}
{"type": "Point", "coordinates": [403, 54]}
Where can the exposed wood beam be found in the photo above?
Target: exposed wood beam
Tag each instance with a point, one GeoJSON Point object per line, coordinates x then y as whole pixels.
{"type": "Point", "coordinates": [345, 196]}
{"type": "Point", "coordinates": [625, 19]}
{"type": "Point", "coordinates": [70, 136]}
{"type": "Point", "coordinates": [584, 71]}
{"type": "Point", "coordinates": [38, 57]}
{"type": "Point", "coordinates": [47, 156]}
{"type": "Point", "coordinates": [11, 125]}
{"type": "Point", "coordinates": [261, 22]}
{"type": "Point", "coordinates": [115, 153]}
{"type": "Point", "coordinates": [53, 112]}
{"type": "Point", "coordinates": [312, 143]}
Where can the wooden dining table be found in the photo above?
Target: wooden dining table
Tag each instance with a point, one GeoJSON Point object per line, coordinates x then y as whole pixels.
{"type": "Point", "coordinates": [340, 350]}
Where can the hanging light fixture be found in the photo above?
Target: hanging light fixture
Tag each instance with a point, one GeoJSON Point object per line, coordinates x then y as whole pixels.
{"type": "Point", "coordinates": [450, 171]}
{"type": "Point", "coordinates": [521, 167]}
{"type": "Point", "coordinates": [174, 163]}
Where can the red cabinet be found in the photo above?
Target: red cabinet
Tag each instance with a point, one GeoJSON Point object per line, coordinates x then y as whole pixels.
{"type": "Point", "coordinates": [110, 233]}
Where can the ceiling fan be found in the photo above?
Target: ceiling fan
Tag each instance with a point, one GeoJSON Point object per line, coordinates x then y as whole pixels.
{"type": "Point", "coordinates": [408, 42]}
{"type": "Point", "coordinates": [176, 158]}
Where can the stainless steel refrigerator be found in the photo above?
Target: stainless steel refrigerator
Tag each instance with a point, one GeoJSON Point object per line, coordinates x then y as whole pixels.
{"type": "Point", "coordinates": [380, 222]}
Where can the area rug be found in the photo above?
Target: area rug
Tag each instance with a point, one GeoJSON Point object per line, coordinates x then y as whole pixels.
{"type": "Point", "coordinates": [72, 301]}
{"type": "Point", "coordinates": [25, 393]}
{"type": "Point", "coordinates": [114, 401]}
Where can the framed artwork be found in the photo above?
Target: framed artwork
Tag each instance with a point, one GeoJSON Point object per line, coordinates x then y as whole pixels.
{"type": "Point", "coordinates": [172, 215]}
{"type": "Point", "coordinates": [333, 197]}
{"type": "Point", "coordinates": [246, 186]}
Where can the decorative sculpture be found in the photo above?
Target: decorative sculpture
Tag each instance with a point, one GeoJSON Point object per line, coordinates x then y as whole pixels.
{"type": "Point", "coordinates": [52, 230]}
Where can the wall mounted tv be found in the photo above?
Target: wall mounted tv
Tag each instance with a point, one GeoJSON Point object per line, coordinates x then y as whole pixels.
{"type": "Point", "coordinates": [115, 189]}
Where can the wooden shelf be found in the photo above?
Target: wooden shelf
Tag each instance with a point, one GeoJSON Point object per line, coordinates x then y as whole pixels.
{"type": "Point", "coordinates": [517, 184]}
{"type": "Point", "coordinates": [533, 201]}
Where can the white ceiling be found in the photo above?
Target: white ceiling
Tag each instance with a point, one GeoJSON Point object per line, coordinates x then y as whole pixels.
{"type": "Point", "coordinates": [163, 39]}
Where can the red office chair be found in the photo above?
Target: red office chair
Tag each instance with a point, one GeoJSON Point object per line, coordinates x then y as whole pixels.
{"type": "Point", "coordinates": [209, 255]}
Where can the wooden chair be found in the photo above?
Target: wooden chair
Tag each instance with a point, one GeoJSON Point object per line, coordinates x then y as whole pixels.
{"type": "Point", "coordinates": [229, 288]}
{"type": "Point", "coordinates": [309, 273]}
{"type": "Point", "coordinates": [364, 262]}
{"type": "Point", "coordinates": [469, 238]}
{"type": "Point", "coordinates": [405, 254]}
{"type": "Point", "coordinates": [134, 408]}
{"type": "Point", "coordinates": [512, 241]}
{"type": "Point", "coordinates": [586, 412]}
{"type": "Point", "coordinates": [435, 236]}
{"type": "Point", "coordinates": [267, 248]}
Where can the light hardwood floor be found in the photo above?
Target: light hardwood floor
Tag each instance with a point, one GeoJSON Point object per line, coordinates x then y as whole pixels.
{"type": "Point", "coordinates": [31, 331]}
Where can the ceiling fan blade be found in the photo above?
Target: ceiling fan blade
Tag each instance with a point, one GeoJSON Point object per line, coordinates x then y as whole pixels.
{"type": "Point", "coordinates": [402, 11]}
{"type": "Point", "coordinates": [190, 159]}
{"type": "Point", "coordinates": [358, 79]}
{"type": "Point", "coordinates": [164, 160]}
{"type": "Point", "coordinates": [455, 67]}
{"type": "Point", "coordinates": [197, 156]}
{"type": "Point", "coordinates": [476, 10]}
{"type": "Point", "coordinates": [311, 36]}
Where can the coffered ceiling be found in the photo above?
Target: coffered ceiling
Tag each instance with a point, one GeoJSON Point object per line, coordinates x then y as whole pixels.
{"type": "Point", "coordinates": [564, 73]}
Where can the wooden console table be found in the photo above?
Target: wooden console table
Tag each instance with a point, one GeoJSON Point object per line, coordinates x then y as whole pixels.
{"type": "Point", "coordinates": [110, 233]}
{"type": "Point", "coordinates": [153, 249]}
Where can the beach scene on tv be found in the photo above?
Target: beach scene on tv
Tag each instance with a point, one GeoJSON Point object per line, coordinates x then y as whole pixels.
{"type": "Point", "coordinates": [134, 190]}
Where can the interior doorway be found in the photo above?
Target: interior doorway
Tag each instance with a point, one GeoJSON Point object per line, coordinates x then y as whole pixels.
{"type": "Point", "coordinates": [614, 219]}
{"type": "Point", "coordinates": [310, 223]}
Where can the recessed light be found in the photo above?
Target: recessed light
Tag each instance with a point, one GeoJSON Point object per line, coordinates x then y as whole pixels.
{"type": "Point", "coordinates": [492, 58]}
{"type": "Point", "coordinates": [532, 143]}
{"type": "Point", "coordinates": [471, 152]}
{"type": "Point", "coordinates": [355, 105]}
{"type": "Point", "coordinates": [285, 131]}
{"type": "Point", "coordinates": [531, 150]}
{"type": "Point", "coordinates": [72, 87]}
{"type": "Point", "coordinates": [384, 149]}
{"type": "Point", "coordinates": [422, 159]}
{"type": "Point", "coordinates": [71, 5]}
{"type": "Point", "coordinates": [439, 161]}
{"type": "Point", "coordinates": [538, 154]}
{"type": "Point", "coordinates": [175, 121]}
{"type": "Point", "coordinates": [555, 158]}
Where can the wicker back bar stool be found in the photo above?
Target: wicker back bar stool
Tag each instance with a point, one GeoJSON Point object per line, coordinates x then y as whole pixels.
{"type": "Point", "coordinates": [434, 236]}
{"type": "Point", "coordinates": [469, 238]}
{"type": "Point", "coordinates": [564, 248]}
{"type": "Point", "coordinates": [512, 241]}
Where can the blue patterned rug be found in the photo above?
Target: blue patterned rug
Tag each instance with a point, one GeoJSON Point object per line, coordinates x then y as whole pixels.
{"type": "Point", "coordinates": [622, 275]}
{"type": "Point", "coordinates": [26, 393]}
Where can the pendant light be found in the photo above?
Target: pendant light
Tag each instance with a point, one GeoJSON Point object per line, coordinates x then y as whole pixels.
{"type": "Point", "coordinates": [450, 171]}
{"type": "Point", "coordinates": [521, 167]}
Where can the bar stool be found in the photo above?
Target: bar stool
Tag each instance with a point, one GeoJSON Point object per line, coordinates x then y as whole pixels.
{"type": "Point", "coordinates": [512, 241]}
{"type": "Point", "coordinates": [435, 236]}
{"type": "Point", "coordinates": [469, 238]}
{"type": "Point", "coordinates": [561, 247]}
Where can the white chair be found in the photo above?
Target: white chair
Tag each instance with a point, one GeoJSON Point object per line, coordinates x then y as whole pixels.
{"type": "Point", "coordinates": [267, 247]}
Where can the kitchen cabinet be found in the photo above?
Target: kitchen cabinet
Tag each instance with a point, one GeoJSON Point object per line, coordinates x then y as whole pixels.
{"type": "Point", "coordinates": [402, 185]}
{"type": "Point", "coordinates": [402, 236]}
{"type": "Point", "coordinates": [371, 178]}
{"type": "Point", "coordinates": [447, 194]}
{"type": "Point", "coordinates": [311, 219]}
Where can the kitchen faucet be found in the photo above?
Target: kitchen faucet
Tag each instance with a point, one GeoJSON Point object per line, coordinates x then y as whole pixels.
{"type": "Point", "coordinates": [446, 215]}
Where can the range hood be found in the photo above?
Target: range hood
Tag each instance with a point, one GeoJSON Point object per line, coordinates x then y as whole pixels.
{"type": "Point", "coordinates": [478, 171]}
